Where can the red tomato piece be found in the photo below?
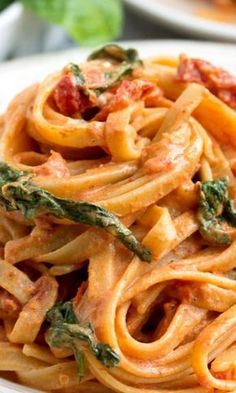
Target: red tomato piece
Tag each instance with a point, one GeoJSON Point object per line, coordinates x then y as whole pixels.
{"type": "Point", "coordinates": [220, 82]}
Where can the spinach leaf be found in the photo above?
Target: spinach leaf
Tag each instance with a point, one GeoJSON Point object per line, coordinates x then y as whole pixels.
{"type": "Point", "coordinates": [18, 192]}
{"type": "Point", "coordinates": [115, 52]}
{"type": "Point", "coordinates": [5, 3]}
{"type": "Point", "coordinates": [67, 331]}
{"type": "Point", "coordinates": [76, 71]}
{"type": "Point", "coordinates": [215, 210]}
{"type": "Point", "coordinates": [127, 61]}
{"type": "Point", "coordinates": [88, 22]}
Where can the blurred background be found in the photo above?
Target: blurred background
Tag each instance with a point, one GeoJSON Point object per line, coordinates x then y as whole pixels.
{"type": "Point", "coordinates": [35, 26]}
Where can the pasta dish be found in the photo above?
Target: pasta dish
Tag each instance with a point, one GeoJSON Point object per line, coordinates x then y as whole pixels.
{"type": "Point", "coordinates": [223, 3]}
{"type": "Point", "coordinates": [219, 10]}
{"type": "Point", "coordinates": [118, 228]}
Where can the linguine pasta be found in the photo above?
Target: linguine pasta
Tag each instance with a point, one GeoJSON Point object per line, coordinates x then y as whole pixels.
{"type": "Point", "coordinates": [152, 144]}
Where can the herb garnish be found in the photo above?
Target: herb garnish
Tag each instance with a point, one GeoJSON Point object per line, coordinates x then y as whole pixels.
{"type": "Point", "coordinates": [115, 52]}
{"type": "Point", "coordinates": [89, 22]}
{"type": "Point", "coordinates": [5, 3]}
{"type": "Point", "coordinates": [67, 331]}
{"type": "Point", "coordinates": [18, 192]}
{"type": "Point", "coordinates": [84, 96]}
{"type": "Point", "coordinates": [128, 60]}
{"type": "Point", "coordinates": [76, 71]}
{"type": "Point", "coordinates": [89, 95]}
{"type": "Point", "coordinates": [215, 208]}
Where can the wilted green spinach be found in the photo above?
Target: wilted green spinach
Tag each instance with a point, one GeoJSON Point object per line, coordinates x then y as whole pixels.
{"type": "Point", "coordinates": [67, 331]}
{"type": "Point", "coordinates": [215, 211]}
{"type": "Point", "coordinates": [88, 22]}
{"type": "Point", "coordinates": [18, 192]}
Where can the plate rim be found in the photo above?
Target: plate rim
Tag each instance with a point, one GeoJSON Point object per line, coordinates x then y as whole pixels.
{"type": "Point", "coordinates": [6, 66]}
{"type": "Point", "coordinates": [174, 18]}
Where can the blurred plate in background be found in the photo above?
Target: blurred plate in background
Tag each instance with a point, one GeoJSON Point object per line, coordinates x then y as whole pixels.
{"type": "Point", "coordinates": [23, 33]}
{"type": "Point", "coordinates": [182, 16]}
{"type": "Point", "coordinates": [10, 23]}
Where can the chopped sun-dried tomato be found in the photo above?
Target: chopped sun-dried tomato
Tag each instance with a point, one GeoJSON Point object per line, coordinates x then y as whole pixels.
{"type": "Point", "coordinates": [70, 98]}
{"type": "Point", "coordinates": [228, 374]}
{"type": "Point", "coordinates": [220, 82]}
{"type": "Point", "coordinates": [129, 91]}
{"type": "Point", "coordinates": [66, 96]}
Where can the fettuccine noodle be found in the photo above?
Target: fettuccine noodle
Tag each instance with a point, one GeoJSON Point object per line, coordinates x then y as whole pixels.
{"type": "Point", "coordinates": [140, 149]}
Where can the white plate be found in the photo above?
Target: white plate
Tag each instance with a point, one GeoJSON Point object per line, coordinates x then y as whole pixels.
{"type": "Point", "coordinates": [10, 22]}
{"type": "Point", "coordinates": [181, 16]}
{"type": "Point", "coordinates": [23, 33]}
{"type": "Point", "coordinates": [16, 75]}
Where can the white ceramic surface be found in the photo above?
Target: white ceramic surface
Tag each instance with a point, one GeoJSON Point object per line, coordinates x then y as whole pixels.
{"type": "Point", "coordinates": [180, 15]}
{"type": "Point", "coordinates": [16, 75]}
{"type": "Point", "coordinates": [10, 21]}
{"type": "Point", "coordinates": [23, 33]}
